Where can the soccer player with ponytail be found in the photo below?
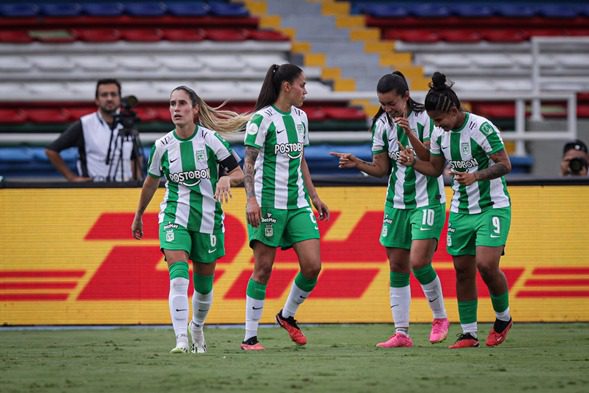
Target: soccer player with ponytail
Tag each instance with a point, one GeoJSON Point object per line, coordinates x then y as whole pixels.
{"type": "Point", "coordinates": [414, 212]}
{"type": "Point", "coordinates": [200, 168]}
{"type": "Point", "coordinates": [480, 212]}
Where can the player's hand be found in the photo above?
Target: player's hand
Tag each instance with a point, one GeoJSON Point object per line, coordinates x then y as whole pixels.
{"type": "Point", "coordinates": [223, 191]}
{"type": "Point", "coordinates": [137, 227]}
{"type": "Point", "coordinates": [406, 155]}
{"type": "Point", "coordinates": [253, 212]}
{"type": "Point", "coordinates": [463, 178]}
{"type": "Point", "coordinates": [346, 160]}
{"type": "Point", "coordinates": [403, 123]}
{"type": "Point", "coordinates": [321, 208]}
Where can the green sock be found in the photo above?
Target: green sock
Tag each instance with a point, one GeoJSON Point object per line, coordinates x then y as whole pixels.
{"type": "Point", "coordinates": [399, 280]}
{"type": "Point", "coordinates": [468, 311]}
{"type": "Point", "coordinates": [304, 283]}
{"type": "Point", "coordinates": [426, 274]}
{"type": "Point", "coordinates": [500, 302]}
{"type": "Point", "coordinates": [178, 269]}
{"type": "Point", "coordinates": [255, 290]}
{"type": "Point", "coordinates": [203, 284]}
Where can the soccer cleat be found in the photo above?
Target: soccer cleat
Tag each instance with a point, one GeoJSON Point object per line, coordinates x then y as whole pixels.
{"type": "Point", "coordinates": [495, 338]}
{"type": "Point", "coordinates": [465, 340]}
{"type": "Point", "coordinates": [181, 344]}
{"type": "Point", "coordinates": [439, 330]}
{"type": "Point", "coordinates": [199, 345]}
{"type": "Point", "coordinates": [397, 340]}
{"type": "Point", "coordinates": [290, 325]}
{"type": "Point", "coordinates": [252, 344]}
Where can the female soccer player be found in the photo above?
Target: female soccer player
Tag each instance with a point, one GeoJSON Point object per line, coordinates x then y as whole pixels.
{"type": "Point", "coordinates": [278, 186]}
{"type": "Point", "coordinates": [480, 214]}
{"type": "Point", "coordinates": [191, 158]}
{"type": "Point", "coordinates": [414, 212]}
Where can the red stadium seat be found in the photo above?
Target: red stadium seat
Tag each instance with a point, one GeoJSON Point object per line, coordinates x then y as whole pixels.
{"type": "Point", "coordinates": [76, 112]}
{"type": "Point", "coordinates": [504, 35]}
{"type": "Point", "coordinates": [48, 115]}
{"type": "Point", "coordinates": [547, 32]}
{"type": "Point", "coordinates": [141, 35]}
{"type": "Point", "coordinates": [225, 34]}
{"type": "Point", "coordinates": [12, 116]}
{"type": "Point", "coordinates": [495, 110]}
{"type": "Point", "coordinates": [163, 113]}
{"type": "Point", "coordinates": [344, 113]}
{"type": "Point", "coordinates": [15, 37]}
{"type": "Point", "coordinates": [53, 36]}
{"type": "Point", "coordinates": [147, 114]}
{"type": "Point", "coordinates": [97, 35]}
{"type": "Point", "coordinates": [412, 35]}
{"type": "Point", "coordinates": [315, 114]}
{"type": "Point", "coordinates": [267, 35]}
{"type": "Point", "coordinates": [192, 35]}
{"type": "Point", "coordinates": [460, 35]}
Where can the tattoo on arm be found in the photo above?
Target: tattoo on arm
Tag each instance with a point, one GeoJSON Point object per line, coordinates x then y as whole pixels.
{"type": "Point", "coordinates": [248, 170]}
{"type": "Point", "coordinates": [492, 172]}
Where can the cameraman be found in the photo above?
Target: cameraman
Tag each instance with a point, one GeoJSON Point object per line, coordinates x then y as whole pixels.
{"type": "Point", "coordinates": [104, 155]}
{"type": "Point", "coordinates": [574, 159]}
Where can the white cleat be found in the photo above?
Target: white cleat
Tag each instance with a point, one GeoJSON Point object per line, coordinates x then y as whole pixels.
{"type": "Point", "coordinates": [199, 345]}
{"type": "Point", "coordinates": [181, 344]}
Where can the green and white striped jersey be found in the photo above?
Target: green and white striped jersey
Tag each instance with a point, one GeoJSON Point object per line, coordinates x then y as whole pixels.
{"type": "Point", "coordinates": [468, 149]}
{"type": "Point", "coordinates": [191, 169]}
{"type": "Point", "coordinates": [281, 138]}
{"type": "Point", "coordinates": [407, 188]}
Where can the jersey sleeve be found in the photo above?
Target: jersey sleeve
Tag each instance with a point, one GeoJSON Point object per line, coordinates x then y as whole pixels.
{"type": "Point", "coordinates": [379, 138]}
{"type": "Point", "coordinates": [305, 121]}
{"type": "Point", "coordinates": [154, 168]}
{"type": "Point", "coordinates": [255, 131]}
{"type": "Point", "coordinates": [428, 128]}
{"type": "Point", "coordinates": [489, 138]}
{"type": "Point", "coordinates": [436, 141]}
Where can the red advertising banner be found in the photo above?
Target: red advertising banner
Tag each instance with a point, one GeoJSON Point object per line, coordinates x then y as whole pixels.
{"type": "Point", "coordinates": [68, 258]}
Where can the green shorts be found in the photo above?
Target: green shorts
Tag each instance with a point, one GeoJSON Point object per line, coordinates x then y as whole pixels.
{"type": "Point", "coordinates": [401, 226]}
{"type": "Point", "coordinates": [467, 231]}
{"type": "Point", "coordinates": [283, 228]}
{"type": "Point", "coordinates": [200, 247]}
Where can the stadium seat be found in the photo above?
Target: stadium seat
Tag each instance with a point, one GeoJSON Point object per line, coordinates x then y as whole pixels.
{"type": "Point", "coordinates": [228, 9]}
{"type": "Point", "coordinates": [53, 36]}
{"type": "Point", "coordinates": [379, 10]}
{"type": "Point", "coordinates": [504, 35]}
{"type": "Point", "coordinates": [93, 63]}
{"type": "Point", "coordinates": [15, 37]}
{"type": "Point", "coordinates": [150, 8]}
{"type": "Point", "coordinates": [181, 63]}
{"type": "Point", "coordinates": [97, 35]}
{"type": "Point", "coordinates": [267, 35]}
{"type": "Point", "coordinates": [223, 62]}
{"type": "Point", "coordinates": [103, 9]}
{"type": "Point", "coordinates": [315, 113]}
{"type": "Point", "coordinates": [557, 10]}
{"type": "Point", "coordinates": [225, 34]}
{"type": "Point", "coordinates": [52, 63]}
{"type": "Point", "coordinates": [468, 10]}
{"type": "Point", "coordinates": [12, 116]}
{"type": "Point", "coordinates": [61, 9]}
{"type": "Point", "coordinates": [76, 112]}
{"type": "Point", "coordinates": [139, 62]}
{"type": "Point", "coordinates": [188, 8]}
{"type": "Point", "coordinates": [427, 10]}
{"type": "Point", "coordinates": [421, 36]}
{"type": "Point", "coordinates": [146, 113]}
{"type": "Point", "coordinates": [192, 35]}
{"type": "Point", "coordinates": [14, 64]}
{"type": "Point", "coordinates": [344, 113]}
{"type": "Point", "coordinates": [47, 115]}
{"type": "Point", "coordinates": [514, 10]}
{"type": "Point", "coordinates": [19, 10]}
{"type": "Point", "coordinates": [260, 63]}
{"type": "Point", "coordinates": [459, 35]}
{"type": "Point", "coordinates": [141, 35]}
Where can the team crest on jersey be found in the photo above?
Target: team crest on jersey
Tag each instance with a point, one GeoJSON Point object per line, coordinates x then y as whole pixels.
{"type": "Point", "coordinates": [252, 129]}
{"type": "Point", "coordinates": [201, 155]}
{"type": "Point", "coordinates": [465, 148]}
{"type": "Point", "coordinates": [486, 128]}
{"type": "Point", "coordinates": [169, 236]}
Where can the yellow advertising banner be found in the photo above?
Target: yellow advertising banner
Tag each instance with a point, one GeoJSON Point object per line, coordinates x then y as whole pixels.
{"type": "Point", "coordinates": [68, 258]}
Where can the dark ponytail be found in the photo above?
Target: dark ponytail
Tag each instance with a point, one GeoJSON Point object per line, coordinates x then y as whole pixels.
{"type": "Point", "coordinates": [275, 75]}
{"type": "Point", "coordinates": [440, 96]}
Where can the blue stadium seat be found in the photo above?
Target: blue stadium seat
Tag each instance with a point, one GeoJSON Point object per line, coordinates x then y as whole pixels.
{"type": "Point", "coordinates": [557, 11]}
{"type": "Point", "coordinates": [150, 8]}
{"type": "Point", "coordinates": [16, 10]}
{"type": "Point", "coordinates": [384, 10]}
{"type": "Point", "coordinates": [228, 9]}
{"type": "Point", "coordinates": [511, 10]}
{"type": "Point", "coordinates": [429, 10]}
{"type": "Point", "coordinates": [103, 9]}
{"type": "Point", "coordinates": [472, 10]}
{"type": "Point", "coordinates": [61, 9]}
{"type": "Point", "coordinates": [188, 8]}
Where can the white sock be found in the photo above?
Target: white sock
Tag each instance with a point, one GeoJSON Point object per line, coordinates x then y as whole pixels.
{"type": "Point", "coordinates": [253, 313]}
{"type": "Point", "coordinates": [504, 315]}
{"type": "Point", "coordinates": [296, 297]}
{"type": "Point", "coordinates": [433, 292]}
{"type": "Point", "coordinates": [471, 328]}
{"type": "Point", "coordinates": [200, 307]}
{"type": "Point", "coordinates": [178, 303]}
{"type": "Point", "coordinates": [400, 301]}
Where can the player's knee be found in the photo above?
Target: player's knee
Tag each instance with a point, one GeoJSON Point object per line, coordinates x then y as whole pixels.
{"type": "Point", "coordinates": [311, 271]}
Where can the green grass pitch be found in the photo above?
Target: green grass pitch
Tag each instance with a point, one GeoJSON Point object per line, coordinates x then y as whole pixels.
{"type": "Point", "coordinates": [338, 358]}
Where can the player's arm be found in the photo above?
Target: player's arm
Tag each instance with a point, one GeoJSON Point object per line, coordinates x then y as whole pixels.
{"type": "Point", "coordinates": [321, 207]}
{"type": "Point", "coordinates": [501, 167]}
{"type": "Point", "coordinates": [233, 177]}
{"type": "Point", "coordinates": [434, 167]}
{"type": "Point", "coordinates": [70, 137]}
{"type": "Point", "coordinates": [421, 148]}
{"type": "Point", "coordinates": [150, 185]}
{"type": "Point", "coordinates": [252, 208]}
{"type": "Point", "coordinates": [379, 166]}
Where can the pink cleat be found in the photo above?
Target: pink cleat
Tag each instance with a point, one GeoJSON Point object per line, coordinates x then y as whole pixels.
{"type": "Point", "coordinates": [397, 340]}
{"type": "Point", "coordinates": [439, 330]}
{"type": "Point", "coordinates": [290, 325]}
{"type": "Point", "coordinates": [252, 344]}
{"type": "Point", "coordinates": [495, 338]}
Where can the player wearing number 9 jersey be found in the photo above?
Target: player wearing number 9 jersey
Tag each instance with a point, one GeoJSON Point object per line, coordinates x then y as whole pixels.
{"type": "Point", "coordinates": [414, 211]}
{"type": "Point", "coordinates": [480, 213]}
{"type": "Point", "coordinates": [200, 168]}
